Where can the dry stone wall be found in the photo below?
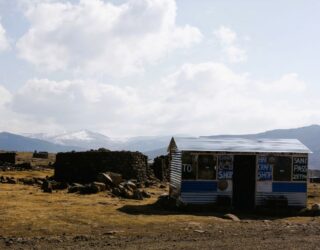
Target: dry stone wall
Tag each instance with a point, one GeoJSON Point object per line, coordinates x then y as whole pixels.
{"type": "Point", "coordinates": [160, 168]}
{"type": "Point", "coordinates": [41, 155]}
{"type": "Point", "coordinates": [8, 157]}
{"type": "Point", "coordinates": [85, 166]}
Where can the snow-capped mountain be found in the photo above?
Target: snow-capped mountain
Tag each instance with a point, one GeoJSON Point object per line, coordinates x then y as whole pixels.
{"type": "Point", "coordinates": [82, 138]}
{"type": "Point", "coordinates": [91, 140]}
{"type": "Point", "coordinates": [14, 142]}
{"type": "Point", "coordinates": [157, 145]}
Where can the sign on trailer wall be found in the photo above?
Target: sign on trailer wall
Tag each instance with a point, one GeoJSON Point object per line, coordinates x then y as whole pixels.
{"type": "Point", "coordinates": [300, 168]}
{"type": "Point", "coordinates": [225, 167]}
{"type": "Point", "coordinates": [264, 169]}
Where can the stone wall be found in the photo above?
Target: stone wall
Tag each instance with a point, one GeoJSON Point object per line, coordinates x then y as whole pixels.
{"type": "Point", "coordinates": [41, 155]}
{"type": "Point", "coordinates": [8, 157]}
{"type": "Point", "coordinates": [85, 166]}
{"type": "Point", "coordinates": [160, 167]}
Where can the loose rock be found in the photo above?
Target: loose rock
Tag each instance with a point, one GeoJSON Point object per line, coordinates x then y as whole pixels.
{"type": "Point", "coordinates": [315, 207]}
{"type": "Point", "coordinates": [231, 217]}
{"type": "Point", "coordinates": [100, 185]}
{"type": "Point", "coordinates": [47, 187]}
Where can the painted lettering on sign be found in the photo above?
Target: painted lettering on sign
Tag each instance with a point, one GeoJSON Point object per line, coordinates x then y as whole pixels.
{"type": "Point", "coordinates": [300, 160]}
{"type": "Point", "coordinates": [223, 175]}
{"type": "Point", "coordinates": [187, 168]}
{"type": "Point", "coordinates": [225, 167]}
{"type": "Point", "coordinates": [262, 160]}
{"type": "Point", "coordinates": [300, 168]}
{"type": "Point", "coordinates": [264, 169]}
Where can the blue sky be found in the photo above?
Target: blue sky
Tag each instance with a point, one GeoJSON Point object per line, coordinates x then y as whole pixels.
{"type": "Point", "coordinates": [151, 67]}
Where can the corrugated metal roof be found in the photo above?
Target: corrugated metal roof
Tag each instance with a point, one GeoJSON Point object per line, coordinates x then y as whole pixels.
{"type": "Point", "coordinates": [240, 145]}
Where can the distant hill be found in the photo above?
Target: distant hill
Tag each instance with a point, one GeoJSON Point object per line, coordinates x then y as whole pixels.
{"type": "Point", "coordinates": [157, 152]}
{"type": "Point", "coordinates": [13, 142]}
{"type": "Point", "coordinates": [92, 140]}
{"type": "Point", "coordinates": [81, 138]}
{"type": "Point", "coordinates": [150, 145]}
{"type": "Point", "coordinates": [146, 143]}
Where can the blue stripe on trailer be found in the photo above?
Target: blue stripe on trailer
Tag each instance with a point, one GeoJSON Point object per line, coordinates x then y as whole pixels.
{"type": "Point", "coordinates": [198, 186]}
{"type": "Point", "coordinates": [289, 187]}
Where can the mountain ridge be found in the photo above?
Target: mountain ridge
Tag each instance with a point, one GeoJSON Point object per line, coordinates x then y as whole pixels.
{"type": "Point", "coordinates": [157, 145]}
{"type": "Point", "coordinates": [14, 142]}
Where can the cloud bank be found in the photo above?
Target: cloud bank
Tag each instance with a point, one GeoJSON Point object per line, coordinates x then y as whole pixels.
{"type": "Point", "coordinates": [228, 40]}
{"type": "Point", "coordinates": [4, 42]}
{"type": "Point", "coordinates": [71, 43]}
{"type": "Point", "coordinates": [202, 98]}
{"type": "Point", "coordinates": [97, 37]}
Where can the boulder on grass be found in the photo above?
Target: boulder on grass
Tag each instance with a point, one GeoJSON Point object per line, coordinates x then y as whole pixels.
{"type": "Point", "coordinates": [137, 195]}
{"type": "Point", "coordinates": [89, 189]}
{"type": "Point", "coordinates": [47, 187]}
{"type": "Point", "coordinates": [116, 191]}
{"type": "Point", "coordinates": [75, 187]}
{"type": "Point", "coordinates": [105, 178]}
{"type": "Point", "coordinates": [116, 178]}
{"type": "Point", "coordinates": [100, 185]}
{"type": "Point", "coordinates": [128, 194]}
{"type": "Point", "coordinates": [231, 217]}
{"type": "Point", "coordinates": [145, 194]}
{"type": "Point", "coordinates": [11, 180]}
{"type": "Point", "coordinates": [38, 181]}
{"type": "Point", "coordinates": [315, 207]}
{"type": "Point", "coordinates": [149, 183]}
{"type": "Point", "coordinates": [27, 181]}
{"type": "Point", "coordinates": [109, 178]}
{"type": "Point", "coordinates": [130, 185]}
{"type": "Point", "coordinates": [59, 185]}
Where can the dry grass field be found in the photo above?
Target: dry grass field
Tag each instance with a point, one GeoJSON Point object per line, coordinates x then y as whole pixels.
{"type": "Point", "coordinates": [31, 219]}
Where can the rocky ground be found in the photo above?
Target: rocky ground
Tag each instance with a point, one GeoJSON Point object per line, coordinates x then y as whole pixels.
{"type": "Point", "coordinates": [246, 234]}
{"type": "Point", "coordinates": [33, 219]}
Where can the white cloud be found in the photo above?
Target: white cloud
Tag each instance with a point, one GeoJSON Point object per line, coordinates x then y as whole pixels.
{"type": "Point", "coordinates": [19, 122]}
{"type": "Point", "coordinates": [73, 101]}
{"type": "Point", "coordinates": [4, 42]}
{"type": "Point", "coordinates": [287, 83]}
{"type": "Point", "coordinates": [5, 95]}
{"type": "Point", "coordinates": [202, 98]}
{"type": "Point", "coordinates": [96, 37]}
{"type": "Point", "coordinates": [211, 98]}
{"type": "Point", "coordinates": [229, 42]}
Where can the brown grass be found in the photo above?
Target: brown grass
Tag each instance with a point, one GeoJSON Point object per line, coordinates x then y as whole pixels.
{"type": "Point", "coordinates": [27, 211]}
{"type": "Point", "coordinates": [313, 193]}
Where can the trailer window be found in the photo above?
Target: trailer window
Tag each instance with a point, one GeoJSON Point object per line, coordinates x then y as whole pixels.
{"type": "Point", "coordinates": [207, 166]}
{"type": "Point", "coordinates": [281, 168]}
{"type": "Point", "coordinates": [188, 166]}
